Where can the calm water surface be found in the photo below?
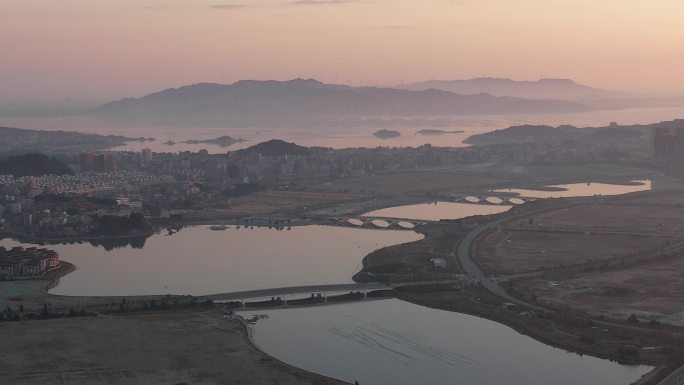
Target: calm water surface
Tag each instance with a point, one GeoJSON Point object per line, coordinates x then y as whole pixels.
{"type": "Point", "coordinates": [435, 211]}
{"type": "Point", "coordinates": [341, 137]}
{"type": "Point", "coordinates": [391, 342]}
{"type": "Point", "coordinates": [583, 190]}
{"type": "Point", "coordinates": [200, 261]}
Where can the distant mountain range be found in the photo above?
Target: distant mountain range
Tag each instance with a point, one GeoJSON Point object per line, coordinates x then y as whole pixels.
{"type": "Point", "coordinates": [559, 89]}
{"type": "Point", "coordinates": [306, 102]}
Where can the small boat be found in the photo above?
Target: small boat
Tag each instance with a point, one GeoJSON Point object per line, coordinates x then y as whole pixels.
{"type": "Point", "coordinates": [218, 227]}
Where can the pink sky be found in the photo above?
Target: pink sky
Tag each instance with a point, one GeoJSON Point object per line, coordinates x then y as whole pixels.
{"type": "Point", "coordinates": [96, 50]}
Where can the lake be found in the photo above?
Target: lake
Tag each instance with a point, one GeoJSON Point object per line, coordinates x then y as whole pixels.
{"type": "Point", "coordinates": [392, 342]}
{"type": "Point", "coordinates": [199, 261]}
{"type": "Point", "coordinates": [435, 211]}
{"type": "Point", "coordinates": [582, 190]}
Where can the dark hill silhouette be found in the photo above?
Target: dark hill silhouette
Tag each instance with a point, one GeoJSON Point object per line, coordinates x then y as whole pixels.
{"type": "Point", "coordinates": [298, 102]}
{"type": "Point", "coordinates": [275, 147]}
{"type": "Point", "coordinates": [549, 134]}
{"type": "Point", "coordinates": [33, 165]}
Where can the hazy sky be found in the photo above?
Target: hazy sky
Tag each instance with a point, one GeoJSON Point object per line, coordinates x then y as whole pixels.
{"type": "Point", "coordinates": [95, 50]}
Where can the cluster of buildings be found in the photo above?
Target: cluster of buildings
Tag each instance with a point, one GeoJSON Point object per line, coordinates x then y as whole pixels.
{"type": "Point", "coordinates": [238, 167]}
{"type": "Point", "coordinates": [31, 262]}
{"type": "Point", "coordinates": [56, 206]}
{"type": "Point", "coordinates": [82, 183]}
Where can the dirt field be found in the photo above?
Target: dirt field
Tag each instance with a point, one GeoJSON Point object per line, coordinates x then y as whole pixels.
{"type": "Point", "coordinates": [539, 175]}
{"type": "Point", "coordinates": [644, 223]}
{"type": "Point", "coordinates": [512, 251]}
{"type": "Point", "coordinates": [267, 202]}
{"type": "Point", "coordinates": [418, 181]}
{"type": "Point", "coordinates": [663, 198]}
{"type": "Point", "coordinates": [163, 348]}
{"type": "Point", "coordinates": [651, 290]}
{"type": "Point", "coordinates": [666, 218]}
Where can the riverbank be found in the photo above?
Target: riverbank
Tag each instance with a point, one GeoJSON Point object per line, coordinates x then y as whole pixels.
{"type": "Point", "coordinates": [569, 331]}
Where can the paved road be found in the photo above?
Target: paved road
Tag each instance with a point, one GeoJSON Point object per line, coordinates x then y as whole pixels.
{"type": "Point", "coordinates": [463, 253]}
{"type": "Point", "coordinates": [676, 378]}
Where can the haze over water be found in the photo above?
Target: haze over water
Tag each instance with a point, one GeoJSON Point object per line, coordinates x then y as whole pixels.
{"type": "Point", "coordinates": [343, 137]}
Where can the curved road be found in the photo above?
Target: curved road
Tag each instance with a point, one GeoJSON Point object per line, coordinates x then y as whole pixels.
{"type": "Point", "coordinates": [463, 253]}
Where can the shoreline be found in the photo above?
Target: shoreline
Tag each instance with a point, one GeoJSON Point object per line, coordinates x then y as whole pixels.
{"type": "Point", "coordinates": [248, 333]}
{"type": "Point", "coordinates": [660, 370]}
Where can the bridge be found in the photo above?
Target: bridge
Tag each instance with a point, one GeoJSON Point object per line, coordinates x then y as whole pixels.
{"type": "Point", "coordinates": [381, 222]}
{"type": "Point", "coordinates": [345, 287]}
{"type": "Point", "coordinates": [280, 291]}
{"type": "Point", "coordinates": [491, 198]}
{"type": "Point", "coordinates": [376, 222]}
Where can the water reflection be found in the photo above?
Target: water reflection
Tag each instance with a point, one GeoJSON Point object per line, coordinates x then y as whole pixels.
{"type": "Point", "coordinates": [398, 343]}
{"type": "Point", "coordinates": [109, 244]}
{"type": "Point", "coordinates": [435, 211]}
{"type": "Point", "coordinates": [582, 190]}
{"type": "Point", "coordinates": [200, 261]}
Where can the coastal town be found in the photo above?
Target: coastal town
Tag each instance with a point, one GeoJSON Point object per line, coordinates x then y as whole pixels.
{"type": "Point", "coordinates": [341, 192]}
{"type": "Point", "coordinates": [165, 185]}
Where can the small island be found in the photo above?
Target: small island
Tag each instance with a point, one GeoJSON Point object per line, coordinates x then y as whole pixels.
{"type": "Point", "coordinates": [437, 132]}
{"type": "Point", "coordinates": [223, 141]}
{"type": "Point", "coordinates": [169, 143]}
{"type": "Point", "coordinates": [387, 134]}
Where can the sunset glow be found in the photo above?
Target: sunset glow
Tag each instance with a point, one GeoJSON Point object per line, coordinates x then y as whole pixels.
{"type": "Point", "coordinates": [94, 51]}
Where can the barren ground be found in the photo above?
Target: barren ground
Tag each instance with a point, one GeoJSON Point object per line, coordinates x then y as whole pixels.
{"type": "Point", "coordinates": [512, 251]}
{"type": "Point", "coordinates": [651, 290]}
{"type": "Point", "coordinates": [180, 347]}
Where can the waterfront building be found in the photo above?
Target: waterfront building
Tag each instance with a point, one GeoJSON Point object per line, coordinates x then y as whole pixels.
{"type": "Point", "coordinates": [31, 262]}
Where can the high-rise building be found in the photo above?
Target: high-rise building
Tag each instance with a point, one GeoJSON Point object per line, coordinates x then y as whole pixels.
{"type": "Point", "coordinates": [668, 145]}
{"type": "Point", "coordinates": [87, 161]}
{"type": "Point", "coordinates": [105, 162]}
{"type": "Point", "coordinates": [145, 155]}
